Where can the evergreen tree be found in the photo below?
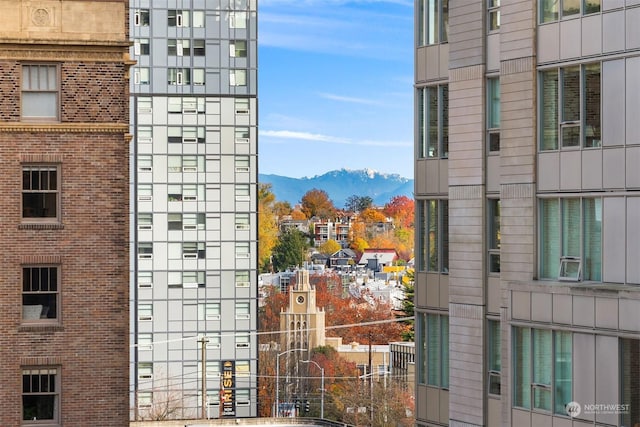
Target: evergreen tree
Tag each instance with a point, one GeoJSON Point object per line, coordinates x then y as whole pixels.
{"type": "Point", "coordinates": [290, 251]}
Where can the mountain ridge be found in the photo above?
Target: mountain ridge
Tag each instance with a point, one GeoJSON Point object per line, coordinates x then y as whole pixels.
{"type": "Point", "coordinates": [340, 184]}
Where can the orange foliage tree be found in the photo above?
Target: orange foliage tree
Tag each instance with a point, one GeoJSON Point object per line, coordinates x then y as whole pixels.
{"type": "Point", "coordinates": [317, 203]}
{"type": "Point", "coordinates": [401, 209]}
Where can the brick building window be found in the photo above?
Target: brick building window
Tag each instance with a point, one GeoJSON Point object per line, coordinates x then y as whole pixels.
{"type": "Point", "coordinates": [40, 293]}
{"type": "Point", "coordinates": [40, 92]}
{"type": "Point", "coordinates": [40, 395]}
{"type": "Point", "coordinates": [40, 192]}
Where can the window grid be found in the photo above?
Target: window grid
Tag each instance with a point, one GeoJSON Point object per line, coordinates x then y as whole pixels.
{"type": "Point", "coordinates": [433, 121]}
{"type": "Point", "coordinates": [40, 194]}
{"type": "Point", "coordinates": [40, 394]}
{"type": "Point", "coordinates": [40, 293]}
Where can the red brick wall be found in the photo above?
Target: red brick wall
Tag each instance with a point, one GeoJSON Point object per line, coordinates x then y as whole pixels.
{"type": "Point", "coordinates": [91, 344]}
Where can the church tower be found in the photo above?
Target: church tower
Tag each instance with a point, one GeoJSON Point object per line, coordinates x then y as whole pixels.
{"type": "Point", "coordinates": [302, 320]}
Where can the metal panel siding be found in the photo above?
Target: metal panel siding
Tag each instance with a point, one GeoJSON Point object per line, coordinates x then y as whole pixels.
{"type": "Point", "coordinates": [613, 239]}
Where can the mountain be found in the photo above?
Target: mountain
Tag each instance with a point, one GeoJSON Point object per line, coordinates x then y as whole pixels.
{"type": "Point", "coordinates": [340, 185]}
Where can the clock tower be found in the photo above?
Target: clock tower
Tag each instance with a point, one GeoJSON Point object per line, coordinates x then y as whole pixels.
{"type": "Point", "coordinates": [302, 321]}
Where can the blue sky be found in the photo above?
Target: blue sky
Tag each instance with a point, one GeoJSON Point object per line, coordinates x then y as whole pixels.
{"type": "Point", "coordinates": [335, 84]}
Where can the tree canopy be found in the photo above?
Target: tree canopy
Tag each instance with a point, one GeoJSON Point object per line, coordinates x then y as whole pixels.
{"type": "Point", "coordinates": [357, 203]}
{"type": "Point", "coordinates": [316, 203]}
{"type": "Point", "coordinates": [290, 250]}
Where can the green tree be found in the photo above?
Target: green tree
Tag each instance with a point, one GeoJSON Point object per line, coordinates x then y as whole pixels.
{"type": "Point", "coordinates": [357, 203]}
{"type": "Point", "coordinates": [408, 306]}
{"type": "Point", "coordinates": [290, 250]}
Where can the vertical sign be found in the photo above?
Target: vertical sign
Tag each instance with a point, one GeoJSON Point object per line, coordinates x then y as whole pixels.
{"type": "Point", "coordinates": [227, 390]}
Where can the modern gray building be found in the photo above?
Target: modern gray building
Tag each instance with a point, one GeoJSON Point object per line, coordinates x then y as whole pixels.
{"type": "Point", "coordinates": [194, 208]}
{"type": "Point", "coordinates": [527, 184]}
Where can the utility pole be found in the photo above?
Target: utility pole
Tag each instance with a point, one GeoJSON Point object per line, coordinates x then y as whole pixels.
{"type": "Point", "coordinates": [203, 342]}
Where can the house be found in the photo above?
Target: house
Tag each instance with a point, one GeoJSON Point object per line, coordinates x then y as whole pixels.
{"type": "Point", "coordinates": [375, 259]}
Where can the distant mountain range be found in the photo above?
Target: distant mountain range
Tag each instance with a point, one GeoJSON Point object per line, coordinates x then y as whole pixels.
{"type": "Point", "coordinates": [340, 185]}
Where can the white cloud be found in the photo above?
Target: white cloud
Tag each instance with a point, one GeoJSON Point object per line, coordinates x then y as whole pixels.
{"type": "Point", "coordinates": [315, 137]}
{"type": "Point", "coordinates": [349, 99]}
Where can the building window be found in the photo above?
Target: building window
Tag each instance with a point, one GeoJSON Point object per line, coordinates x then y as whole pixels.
{"type": "Point", "coordinates": [243, 368]}
{"type": "Point", "coordinates": [40, 395]}
{"type": "Point", "coordinates": [213, 371]}
{"type": "Point", "coordinates": [185, 163]}
{"type": "Point", "coordinates": [145, 163]}
{"type": "Point", "coordinates": [40, 293]}
{"type": "Point", "coordinates": [145, 370]}
{"type": "Point", "coordinates": [238, 49]}
{"type": "Point", "coordinates": [630, 380]}
{"type": "Point", "coordinates": [243, 310]}
{"type": "Point", "coordinates": [141, 76]}
{"type": "Point", "coordinates": [542, 366]}
{"type": "Point", "coordinates": [549, 9]}
{"type": "Point", "coordinates": [198, 76]}
{"type": "Point", "coordinates": [238, 77]}
{"type": "Point", "coordinates": [145, 106]}
{"type": "Point", "coordinates": [185, 192]}
{"type": "Point", "coordinates": [242, 135]}
{"type": "Point", "coordinates": [145, 134]}
{"type": "Point", "coordinates": [178, 47]}
{"type": "Point", "coordinates": [186, 221]}
{"type": "Point", "coordinates": [243, 340]}
{"type": "Point", "coordinates": [145, 250]}
{"type": "Point", "coordinates": [40, 194]}
{"type": "Point", "coordinates": [209, 311]}
{"type": "Point", "coordinates": [571, 229]}
{"type": "Point", "coordinates": [433, 236]}
{"type": "Point", "coordinates": [40, 92]}
{"type": "Point", "coordinates": [199, 47]}
{"type": "Point", "coordinates": [145, 341]}
{"type": "Point", "coordinates": [494, 14]}
{"type": "Point", "coordinates": [242, 279]}
{"type": "Point", "coordinates": [145, 192]}
{"type": "Point", "coordinates": [243, 192]}
{"type": "Point", "coordinates": [193, 279]}
{"type": "Point", "coordinates": [141, 18]}
{"type": "Point", "coordinates": [237, 19]}
{"type": "Point", "coordinates": [145, 312]}
{"type": "Point", "coordinates": [433, 22]}
{"type": "Point", "coordinates": [145, 399]}
{"type": "Point", "coordinates": [242, 250]}
{"type": "Point", "coordinates": [432, 345]}
{"type": "Point", "coordinates": [494, 361]}
{"type": "Point", "coordinates": [145, 221]}
{"type": "Point", "coordinates": [570, 104]}
{"type": "Point", "coordinates": [242, 164]}
{"type": "Point", "coordinates": [145, 279]}
{"type": "Point", "coordinates": [178, 76]}
{"type": "Point", "coordinates": [242, 221]}
{"type": "Point", "coordinates": [186, 134]}
{"type": "Point", "coordinates": [242, 107]}
{"type": "Point", "coordinates": [433, 121]}
{"type": "Point", "coordinates": [493, 223]}
{"type": "Point", "coordinates": [193, 250]}
{"type": "Point", "coordinates": [242, 396]}
{"type": "Point", "coordinates": [141, 47]}
{"type": "Point", "coordinates": [187, 105]}
{"type": "Point", "coordinates": [493, 114]}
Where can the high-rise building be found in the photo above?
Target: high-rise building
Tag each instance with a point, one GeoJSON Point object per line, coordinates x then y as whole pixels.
{"type": "Point", "coordinates": [64, 140]}
{"type": "Point", "coordinates": [527, 212]}
{"type": "Point", "coordinates": [194, 191]}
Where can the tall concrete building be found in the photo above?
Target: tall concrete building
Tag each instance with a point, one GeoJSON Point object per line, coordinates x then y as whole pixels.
{"type": "Point", "coordinates": [64, 140]}
{"type": "Point", "coordinates": [528, 212]}
{"type": "Point", "coordinates": [194, 175]}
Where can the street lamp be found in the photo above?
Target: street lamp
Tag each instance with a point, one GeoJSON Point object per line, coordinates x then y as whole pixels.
{"type": "Point", "coordinates": [277, 411]}
{"type": "Point", "coordinates": [321, 385]}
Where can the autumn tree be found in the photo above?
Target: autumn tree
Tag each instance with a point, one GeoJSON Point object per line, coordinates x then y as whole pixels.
{"type": "Point", "coordinates": [267, 225]}
{"type": "Point", "coordinates": [316, 203]}
{"type": "Point", "coordinates": [357, 203]}
{"type": "Point", "coordinates": [329, 247]}
{"type": "Point", "coordinates": [290, 250]}
{"type": "Point", "coordinates": [401, 209]}
{"type": "Point", "coordinates": [282, 208]}
{"type": "Point", "coordinates": [372, 216]}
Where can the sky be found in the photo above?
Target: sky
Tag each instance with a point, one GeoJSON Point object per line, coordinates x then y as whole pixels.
{"type": "Point", "coordinates": [335, 81]}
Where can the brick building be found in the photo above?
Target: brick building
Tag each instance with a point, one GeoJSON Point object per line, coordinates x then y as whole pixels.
{"type": "Point", "coordinates": [63, 153]}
